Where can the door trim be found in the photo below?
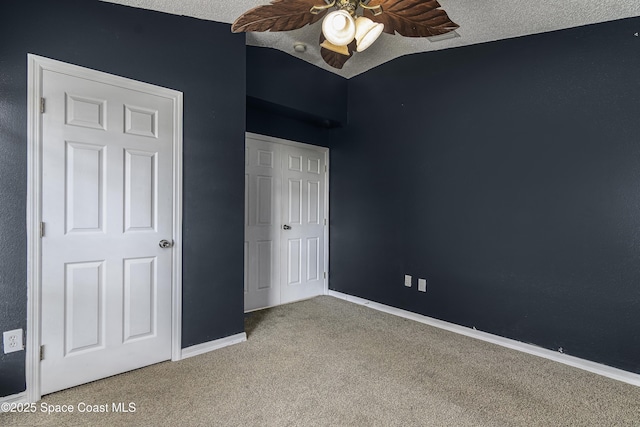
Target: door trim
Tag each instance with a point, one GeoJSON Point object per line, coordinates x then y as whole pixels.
{"type": "Point", "coordinates": [36, 65]}
{"type": "Point", "coordinates": [324, 150]}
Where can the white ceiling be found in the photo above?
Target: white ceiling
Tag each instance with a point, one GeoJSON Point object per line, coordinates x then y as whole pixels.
{"type": "Point", "coordinates": [480, 21]}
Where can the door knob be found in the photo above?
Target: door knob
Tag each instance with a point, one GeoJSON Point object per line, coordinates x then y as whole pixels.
{"type": "Point", "coordinates": [165, 244]}
{"type": "Point", "coordinates": [286, 227]}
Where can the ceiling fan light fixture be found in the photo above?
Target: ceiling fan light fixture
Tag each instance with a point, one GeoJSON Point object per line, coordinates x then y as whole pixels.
{"type": "Point", "coordinates": [341, 37]}
{"type": "Point", "coordinates": [339, 28]}
{"type": "Point", "coordinates": [367, 32]}
{"type": "Point", "coordinates": [342, 50]}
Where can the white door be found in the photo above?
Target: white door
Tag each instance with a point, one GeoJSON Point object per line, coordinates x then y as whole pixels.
{"type": "Point", "coordinates": [263, 182]}
{"type": "Point", "coordinates": [303, 224]}
{"type": "Point", "coordinates": [107, 202]}
{"type": "Point", "coordinates": [284, 222]}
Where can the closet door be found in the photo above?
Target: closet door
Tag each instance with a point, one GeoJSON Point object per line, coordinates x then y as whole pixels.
{"type": "Point", "coordinates": [302, 243]}
{"type": "Point", "coordinates": [284, 221]}
{"type": "Point", "coordinates": [263, 181]}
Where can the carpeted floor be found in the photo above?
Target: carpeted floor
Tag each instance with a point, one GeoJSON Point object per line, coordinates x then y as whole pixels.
{"type": "Point", "coordinates": [327, 362]}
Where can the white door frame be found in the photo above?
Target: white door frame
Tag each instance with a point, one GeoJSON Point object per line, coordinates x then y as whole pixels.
{"type": "Point", "coordinates": [36, 66]}
{"type": "Point", "coordinates": [324, 150]}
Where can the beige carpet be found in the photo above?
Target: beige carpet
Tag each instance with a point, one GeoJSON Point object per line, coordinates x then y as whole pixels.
{"type": "Point", "coordinates": [327, 362]}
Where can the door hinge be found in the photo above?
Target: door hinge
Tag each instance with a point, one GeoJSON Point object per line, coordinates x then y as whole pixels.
{"type": "Point", "coordinates": [42, 229]}
{"type": "Point", "coordinates": [325, 221]}
{"type": "Point", "coordinates": [324, 275]}
{"type": "Point", "coordinates": [41, 352]}
{"type": "Point", "coordinates": [326, 168]}
{"type": "Point", "coordinates": [42, 103]}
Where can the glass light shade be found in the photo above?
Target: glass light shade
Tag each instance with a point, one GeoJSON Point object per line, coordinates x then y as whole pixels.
{"type": "Point", "coordinates": [342, 50]}
{"type": "Point", "coordinates": [367, 32]}
{"type": "Point", "coordinates": [339, 28]}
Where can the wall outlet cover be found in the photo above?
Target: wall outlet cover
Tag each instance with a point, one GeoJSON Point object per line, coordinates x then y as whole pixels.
{"type": "Point", "coordinates": [422, 285]}
{"type": "Point", "coordinates": [12, 341]}
{"type": "Point", "coordinates": [407, 280]}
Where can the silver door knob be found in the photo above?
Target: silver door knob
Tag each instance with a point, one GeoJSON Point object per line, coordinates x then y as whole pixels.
{"type": "Point", "coordinates": [165, 244]}
{"type": "Point", "coordinates": [286, 227]}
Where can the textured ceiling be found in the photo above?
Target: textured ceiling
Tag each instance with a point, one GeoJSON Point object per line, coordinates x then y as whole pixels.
{"type": "Point", "coordinates": [480, 21]}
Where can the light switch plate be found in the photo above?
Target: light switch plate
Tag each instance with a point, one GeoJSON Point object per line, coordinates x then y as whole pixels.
{"type": "Point", "coordinates": [12, 341]}
{"type": "Point", "coordinates": [407, 280]}
{"type": "Point", "coordinates": [422, 285]}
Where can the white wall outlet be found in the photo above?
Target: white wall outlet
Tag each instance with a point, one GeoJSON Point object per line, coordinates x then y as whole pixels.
{"type": "Point", "coordinates": [407, 280]}
{"type": "Point", "coordinates": [422, 285]}
{"type": "Point", "coordinates": [12, 341]}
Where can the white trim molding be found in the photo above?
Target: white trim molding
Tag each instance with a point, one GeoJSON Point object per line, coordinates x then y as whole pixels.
{"type": "Point", "coordinates": [273, 139]}
{"type": "Point", "coordinates": [176, 297]}
{"type": "Point", "coordinates": [36, 65]}
{"type": "Point", "coordinates": [15, 398]}
{"type": "Point", "coordinates": [206, 347]}
{"type": "Point", "coordinates": [576, 362]}
{"type": "Point", "coordinates": [34, 169]}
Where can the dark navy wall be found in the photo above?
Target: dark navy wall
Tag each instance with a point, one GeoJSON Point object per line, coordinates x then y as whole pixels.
{"type": "Point", "coordinates": [292, 99]}
{"type": "Point", "coordinates": [274, 122]}
{"type": "Point", "coordinates": [288, 86]}
{"type": "Point", "coordinates": [508, 175]}
{"type": "Point", "coordinates": [202, 59]}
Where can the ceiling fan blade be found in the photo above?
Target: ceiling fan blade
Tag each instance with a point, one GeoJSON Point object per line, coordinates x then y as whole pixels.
{"type": "Point", "coordinates": [280, 15]}
{"type": "Point", "coordinates": [412, 18]}
{"type": "Point", "coordinates": [335, 59]}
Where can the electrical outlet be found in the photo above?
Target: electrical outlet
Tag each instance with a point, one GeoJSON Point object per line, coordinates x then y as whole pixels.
{"type": "Point", "coordinates": [422, 285]}
{"type": "Point", "coordinates": [407, 280]}
{"type": "Point", "coordinates": [12, 341]}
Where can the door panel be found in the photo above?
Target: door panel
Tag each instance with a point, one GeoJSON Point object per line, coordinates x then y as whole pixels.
{"type": "Point", "coordinates": [294, 258]}
{"type": "Point", "coordinates": [140, 280]}
{"type": "Point", "coordinates": [84, 187]}
{"type": "Point", "coordinates": [140, 183]}
{"type": "Point", "coordinates": [262, 227]}
{"type": "Point", "coordinates": [313, 259]}
{"type": "Point", "coordinates": [85, 112]}
{"type": "Point", "coordinates": [305, 236]}
{"type": "Point", "coordinates": [265, 260]}
{"type": "Point", "coordinates": [295, 202]}
{"type": "Point", "coordinates": [84, 298]}
{"type": "Point", "coordinates": [264, 200]}
{"type": "Point", "coordinates": [107, 200]}
{"type": "Point", "coordinates": [313, 209]}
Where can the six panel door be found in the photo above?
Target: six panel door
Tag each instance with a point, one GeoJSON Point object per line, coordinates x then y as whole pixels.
{"type": "Point", "coordinates": [263, 182]}
{"type": "Point", "coordinates": [302, 247]}
{"type": "Point", "coordinates": [107, 201]}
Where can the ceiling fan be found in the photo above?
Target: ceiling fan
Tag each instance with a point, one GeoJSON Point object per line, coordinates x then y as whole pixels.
{"type": "Point", "coordinates": [352, 26]}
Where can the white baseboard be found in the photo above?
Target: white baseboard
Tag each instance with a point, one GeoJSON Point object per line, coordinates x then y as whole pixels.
{"type": "Point", "coordinates": [206, 347]}
{"type": "Point", "coordinates": [14, 398]}
{"type": "Point", "coordinates": [186, 353]}
{"type": "Point", "coordinates": [587, 365]}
